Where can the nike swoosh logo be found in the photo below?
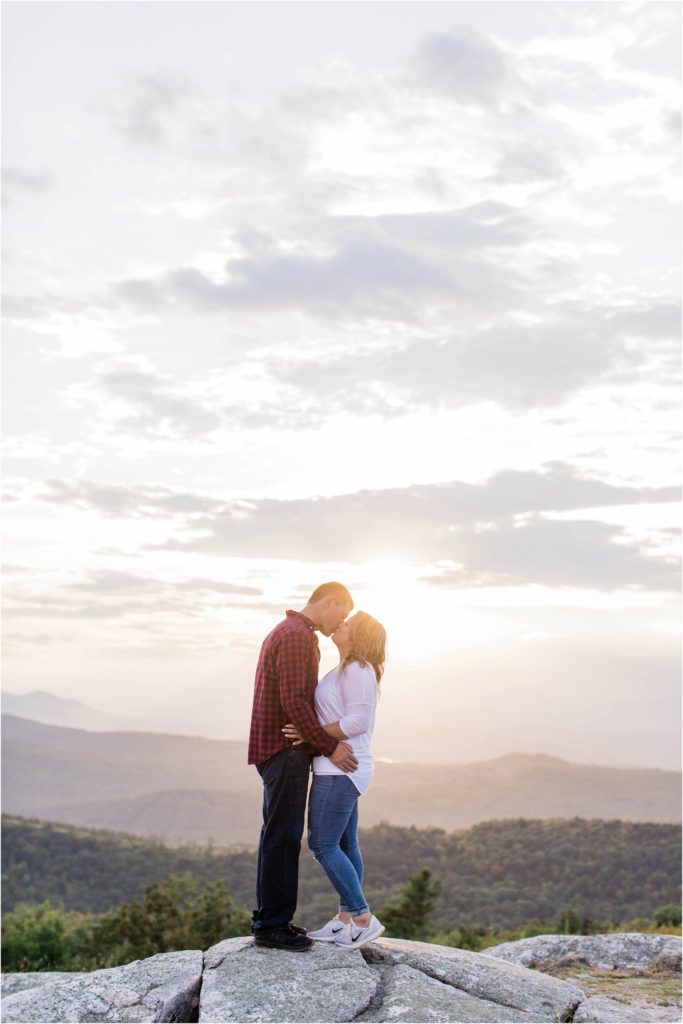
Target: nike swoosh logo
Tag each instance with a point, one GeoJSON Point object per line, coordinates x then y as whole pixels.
{"type": "Point", "coordinates": [335, 930]}
{"type": "Point", "coordinates": [354, 937]}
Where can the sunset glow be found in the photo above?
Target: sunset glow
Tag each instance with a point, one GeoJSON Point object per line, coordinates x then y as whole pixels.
{"type": "Point", "coordinates": [399, 306]}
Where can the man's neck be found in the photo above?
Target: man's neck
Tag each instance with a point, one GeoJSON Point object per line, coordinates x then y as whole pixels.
{"type": "Point", "coordinates": [310, 614]}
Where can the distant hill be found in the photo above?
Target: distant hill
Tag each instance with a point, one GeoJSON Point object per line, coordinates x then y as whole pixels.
{"type": "Point", "coordinates": [497, 872]}
{"type": "Point", "coordinates": [187, 787]}
{"type": "Point", "coordinates": [41, 706]}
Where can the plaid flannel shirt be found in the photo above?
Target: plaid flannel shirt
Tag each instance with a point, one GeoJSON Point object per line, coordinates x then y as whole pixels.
{"type": "Point", "coordinates": [286, 678]}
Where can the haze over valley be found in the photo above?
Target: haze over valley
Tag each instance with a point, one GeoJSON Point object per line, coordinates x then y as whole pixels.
{"type": "Point", "coordinates": [194, 788]}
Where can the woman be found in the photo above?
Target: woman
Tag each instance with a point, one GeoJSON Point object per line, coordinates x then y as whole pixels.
{"type": "Point", "coordinates": [345, 702]}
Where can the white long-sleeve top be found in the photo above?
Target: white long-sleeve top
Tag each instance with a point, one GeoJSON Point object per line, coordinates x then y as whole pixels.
{"type": "Point", "coordinates": [350, 698]}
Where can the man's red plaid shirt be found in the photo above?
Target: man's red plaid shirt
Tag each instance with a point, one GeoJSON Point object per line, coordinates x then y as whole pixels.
{"type": "Point", "coordinates": [286, 678]}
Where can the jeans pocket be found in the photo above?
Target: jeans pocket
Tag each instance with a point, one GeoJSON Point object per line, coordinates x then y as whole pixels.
{"type": "Point", "coordinates": [349, 789]}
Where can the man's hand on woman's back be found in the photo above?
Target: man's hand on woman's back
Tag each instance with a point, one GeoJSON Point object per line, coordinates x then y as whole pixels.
{"type": "Point", "coordinates": [343, 757]}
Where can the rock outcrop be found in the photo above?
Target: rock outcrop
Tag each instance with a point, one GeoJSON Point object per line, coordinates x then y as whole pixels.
{"type": "Point", "coordinates": [618, 949]}
{"type": "Point", "coordinates": [611, 1011]}
{"type": "Point", "coordinates": [165, 987]}
{"type": "Point", "coordinates": [391, 980]}
{"type": "Point", "coordinates": [17, 982]}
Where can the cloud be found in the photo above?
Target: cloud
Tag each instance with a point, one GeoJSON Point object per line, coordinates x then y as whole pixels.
{"type": "Point", "coordinates": [142, 108]}
{"type": "Point", "coordinates": [143, 403]}
{"type": "Point", "coordinates": [421, 521]}
{"type": "Point", "coordinates": [471, 525]}
{"type": "Point", "coordinates": [555, 554]}
{"type": "Point", "coordinates": [353, 266]}
{"type": "Point", "coordinates": [527, 162]}
{"type": "Point", "coordinates": [520, 362]}
{"type": "Point", "coordinates": [159, 407]}
{"type": "Point", "coordinates": [517, 366]}
{"type": "Point", "coordinates": [121, 501]}
{"type": "Point", "coordinates": [20, 181]}
{"type": "Point", "coordinates": [479, 226]}
{"type": "Point", "coordinates": [106, 581]}
{"type": "Point", "coordinates": [112, 594]}
{"type": "Point", "coordinates": [467, 66]}
{"type": "Point", "coordinates": [555, 487]}
{"type": "Point", "coordinates": [233, 147]}
{"type": "Point", "coordinates": [654, 321]}
{"type": "Point", "coordinates": [364, 273]}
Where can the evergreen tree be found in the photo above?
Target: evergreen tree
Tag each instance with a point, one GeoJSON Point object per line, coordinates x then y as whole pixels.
{"type": "Point", "coordinates": [173, 917]}
{"type": "Point", "coordinates": [410, 919]}
{"type": "Point", "coordinates": [215, 917]}
{"type": "Point", "coordinates": [568, 922]}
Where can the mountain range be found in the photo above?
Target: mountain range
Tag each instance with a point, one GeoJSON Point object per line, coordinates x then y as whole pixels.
{"type": "Point", "coordinates": [42, 706]}
{"type": "Point", "coordinates": [193, 788]}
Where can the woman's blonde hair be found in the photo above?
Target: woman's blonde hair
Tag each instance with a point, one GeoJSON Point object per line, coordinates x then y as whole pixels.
{"type": "Point", "coordinates": [368, 643]}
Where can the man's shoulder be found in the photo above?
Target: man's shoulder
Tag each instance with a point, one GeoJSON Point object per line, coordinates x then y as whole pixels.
{"type": "Point", "coordinates": [290, 626]}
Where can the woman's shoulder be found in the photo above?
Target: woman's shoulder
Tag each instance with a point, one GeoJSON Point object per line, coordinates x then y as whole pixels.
{"type": "Point", "coordinates": [361, 671]}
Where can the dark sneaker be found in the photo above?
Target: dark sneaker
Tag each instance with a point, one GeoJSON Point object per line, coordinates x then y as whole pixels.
{"type": "Point", "coordinates": [282, 938]}
{"type": "Point", "coordinates": [295, 929]}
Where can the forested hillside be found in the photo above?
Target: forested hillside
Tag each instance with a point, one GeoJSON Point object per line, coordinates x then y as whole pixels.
{"type": "Point", "coordinates": [500, 873]}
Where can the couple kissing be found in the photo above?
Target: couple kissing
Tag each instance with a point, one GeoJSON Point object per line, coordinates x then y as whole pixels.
{"type": "Point", "coordinates": [301, 726]}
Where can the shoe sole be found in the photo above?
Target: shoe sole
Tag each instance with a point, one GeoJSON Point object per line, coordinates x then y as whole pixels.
{"type": "Point", "coordinates": [357, 945]}
{"type": "Point", "coordinates": [322, 938]}
{"type": "Point", "coordinates": [285, 949]}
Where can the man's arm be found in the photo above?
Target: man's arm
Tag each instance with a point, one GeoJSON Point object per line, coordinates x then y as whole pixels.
{"type": "Point", "coordinates": [293, 663]}
{"type": "Point", "coordinates": [292, 733]}
{"type": "Point", "coordinates": [335, 731]}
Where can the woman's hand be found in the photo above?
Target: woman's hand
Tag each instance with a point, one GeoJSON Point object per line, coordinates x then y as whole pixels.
{"type": "Point", "coordinates": [292, 733]}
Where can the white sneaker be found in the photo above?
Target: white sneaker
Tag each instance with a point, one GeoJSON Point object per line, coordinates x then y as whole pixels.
{"type": "Point", "coordinates": [329, 931]}
{"type": "Point", "coordinates": [353, 936]}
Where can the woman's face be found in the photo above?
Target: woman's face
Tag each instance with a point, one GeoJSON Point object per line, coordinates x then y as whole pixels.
{"type": "Point", "coordinates": [342, 634]}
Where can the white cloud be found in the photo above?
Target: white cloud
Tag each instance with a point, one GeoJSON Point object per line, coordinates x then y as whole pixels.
{"type": "Point", "coordinates": [468, 67]}
{"type": "Point", "coordinates": [550, 553]}
{"type": "Point", "coordinates": [496, 531]}
{"type": "Point", "coordinates": [18, 181]}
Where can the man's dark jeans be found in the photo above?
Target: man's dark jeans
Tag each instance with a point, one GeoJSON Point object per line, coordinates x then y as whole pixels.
{"type": "Point", "coordinates": [285, 778]}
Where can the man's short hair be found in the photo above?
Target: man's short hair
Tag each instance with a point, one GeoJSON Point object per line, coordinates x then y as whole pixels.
{"type": "Point", "coordinates": [336, 590]}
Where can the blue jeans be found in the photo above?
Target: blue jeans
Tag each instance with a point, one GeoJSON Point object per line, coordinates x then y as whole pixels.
{"type": "Point", "coordinates": [285, 779]}
{"type": "Point", "coordinates": [333, 837]}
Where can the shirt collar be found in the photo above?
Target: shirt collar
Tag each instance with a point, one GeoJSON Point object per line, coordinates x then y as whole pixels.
{"type": "Point", "coordinates": [304, 618]}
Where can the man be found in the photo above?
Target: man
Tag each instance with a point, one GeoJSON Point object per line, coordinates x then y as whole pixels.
{"type": "Point", "coordinates": [286, 678]}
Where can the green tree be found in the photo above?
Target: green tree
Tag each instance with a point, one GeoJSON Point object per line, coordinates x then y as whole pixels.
{"type": "Point", "coordinates": [568, 922]}
{"type": "Point", "coordinates": [670, 914]}
{"type": "Point", "coordinates": [45, 938]}
{"type": "Point", "coordinates": [215, 917]}
{"type": "Point", "coordinates": [464, 937]}
{"type": "Point", "coordinates": [410, 918]}
{"type": "Point", "coordinates": [173, 916]}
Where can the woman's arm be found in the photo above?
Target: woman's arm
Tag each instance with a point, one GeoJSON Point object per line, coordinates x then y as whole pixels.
{"type": "Point", "coordinates": [358, 688]}
{"type": "Point", "coordinates": [335, 731]}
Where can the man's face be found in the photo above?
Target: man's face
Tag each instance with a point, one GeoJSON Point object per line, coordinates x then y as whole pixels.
{"type": "Point", "coordinates": [333, 615]}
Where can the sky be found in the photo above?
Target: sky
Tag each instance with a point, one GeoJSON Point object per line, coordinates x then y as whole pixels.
{"type": "Point", "coordinates": [387, 293]}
